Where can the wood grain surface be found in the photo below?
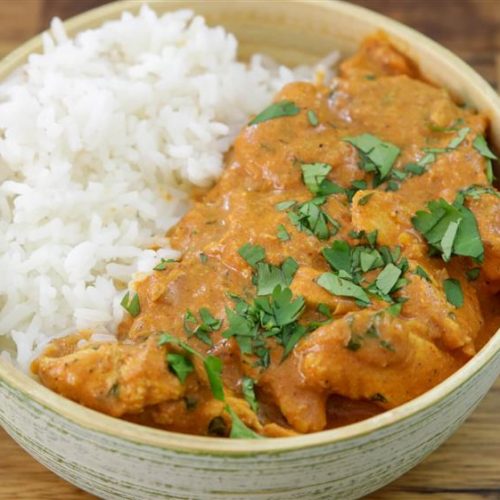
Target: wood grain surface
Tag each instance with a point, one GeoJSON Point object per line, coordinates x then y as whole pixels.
{"type": "Point", "coordinates": [466, 467]}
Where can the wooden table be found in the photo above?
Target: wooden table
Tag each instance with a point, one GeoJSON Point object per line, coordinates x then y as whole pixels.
{"type": "Point", "coordinates": [466, 467]}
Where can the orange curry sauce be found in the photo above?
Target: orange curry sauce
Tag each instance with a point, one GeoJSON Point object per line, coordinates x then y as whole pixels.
{"type": "Point", "coordinates": [357, 343]}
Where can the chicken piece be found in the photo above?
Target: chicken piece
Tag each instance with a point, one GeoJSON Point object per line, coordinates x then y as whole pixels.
{"type": "Point", "coordinates": [113, 378]}
{"type": "Point", "coordinates": [377, 357]}
{"type": "Point", "coordinates": [377, 57]}
{"type": "Point", "coordinates": [390, 216]}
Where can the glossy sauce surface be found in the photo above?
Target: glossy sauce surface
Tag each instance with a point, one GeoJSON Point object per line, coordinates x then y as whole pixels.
{"type": "Point", "coordinates": [338, 372]}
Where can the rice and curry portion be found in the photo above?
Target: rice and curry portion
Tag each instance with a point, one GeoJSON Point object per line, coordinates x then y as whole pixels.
{"type": "Point", "coordinates": [346, 261]}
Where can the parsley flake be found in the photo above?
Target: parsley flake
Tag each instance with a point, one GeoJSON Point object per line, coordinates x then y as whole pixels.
{"type": "Point", "coordinates": [252, 254]}
{"type": "Point", "coordinates": [180, 365]}
{"type": "Point", "coordinates": [162, 265]}
{"type": "Point", "coordinates": [450, 230]}
{"type": "Point", "coordinates": [313, 118]}
{"type": "Point", "coordinates": [131, 305]}
{"type": "Point", "coordinates": [376, 155]}
{"type": "Point", "coordinates": [276, 110]}
{"type": "Point", "coordinates": [248, 389]}
{"type": "Point", "coordinates": [453, 291]}
{"type": "Point", "coordinates": [282, 233]}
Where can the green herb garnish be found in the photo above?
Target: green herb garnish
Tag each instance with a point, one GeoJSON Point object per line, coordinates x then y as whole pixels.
{"type": "Point", "coordinates": [388, 278]}
{"type": "Point", "coordinates": [376, 155]}
{"type": "Point", "coordinates": [131, 305]}
{"type": "Point", "coordinates": [252, 254]}
{"type": "Point", "coordinates": [450, 229]}
{"type": "Point", "coordinates": [180, 365]}
{"type": "Point", "coordinates": [248, 389]}
{"type": "Point", "coordinates": [482, 147]}
{"type": "Point", "coordinates": [162, 265]}
{"type": "Point", "coordinates": [309, 218]}
{"type": "Point", "coordinates": [238, 429]}
{"type": "Point", "coordinates": [313, 118]}
{"type": "Point", "coordinates": [276, 110]}
{"type": "Point", "coordinates": [282, 233]}
{"type": "Point", "coordinates": [342, 287]}
{"type": "Point", "coordinates": [453, 291]}
{"type": "Point", "coordinates": [207, 325]}
{"type": "Point", "coordinates": [203, 257]}
{"type": "Point", "coordinates": [473, 274]}
{"type": "Point", "coordinates": [420, 271]}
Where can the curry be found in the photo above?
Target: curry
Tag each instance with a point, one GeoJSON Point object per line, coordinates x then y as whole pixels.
{"type": "Point", "coordinates": [346, 262]}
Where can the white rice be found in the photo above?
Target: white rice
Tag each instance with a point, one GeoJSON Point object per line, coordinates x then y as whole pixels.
{"type": "Point", "coordinates": [101, 138]}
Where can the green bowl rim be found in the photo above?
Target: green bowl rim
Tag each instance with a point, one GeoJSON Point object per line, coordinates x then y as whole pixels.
{"type": "Point", "coordinates": [183, 443]}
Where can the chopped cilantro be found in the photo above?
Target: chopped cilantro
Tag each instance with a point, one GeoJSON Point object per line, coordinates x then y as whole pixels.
{"type": "Point", "coordinates": [394, 309]}
{"type": "Point", "coordinates": [450, 230]}
{"type": "Point", "coordinates": [282, 233]}
{"type": "Point", "coordinates": [365, 199]}
{"type": "Point", "coordinates": [162, 265]}
{"type": "Point", "coordinates": [276, 110]}
{"type": "Point", "coordinates": [206, 326]}
{"type": "Point", "coordinates": [313, 174]}
{"type": "Point", "coordinates": [339, 256]}
{"type": "Point", "coordinates": [284, 205]}
{"type": "Point", "coordinates": [473, 274]}
{"type": "Point", "coordinates": [460, 137]}
{"type": "Point", "coordinates": [238, 429]}
{"type": "Point", "coordinates": [453, 291]}
{"type": "Point", "coordinates": [252, 254]}
{"type": "Point", "coordinates": [420, 271]}
{"type": "Point", "coordinates": [180, 365]}
{"type": "Point", "coordinates": [247, 387]}
{"type": "Point", "coordinates": [203, 258]}
{"type": "Point", "coordinates": [131, 305]}
{"type": "Point", "coordinates": [269, 276]}
{"type": "Point", "coordinates": [387, 278]}
{"type": "Point", "coordinates": [376, 155]}
{"type": "Point", "coordinates": [342, 287]}
{"type": "Point", "coordinates": [481, 146]}
{"type": "Point", "coordinates": [313, 118]}
{"type": "Point", "coordinates": [308, 217]}
{"type": "Point", "coordinates": [414, 168]}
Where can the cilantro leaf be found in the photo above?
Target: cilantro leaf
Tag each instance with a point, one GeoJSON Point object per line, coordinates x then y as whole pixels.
{"type": "Point", "coordinates": [450, 229]}
{"type": "Point", "coordinates": [453, 291]}
{"type": "Point", "coordinates": [339, 256]}
{"type": "Point", "coordinates": [268, 277]}
{"type": "Point", "coordinates": [284, 205]}
{"type": "Point", "coordinates": [313, 174]}
{"type": "Point", "coordinates": [247, 387]}
{"type": "Point", "coordinates": [414, 168]}
{"type": "Point", "coordinates": [308, 217]}
{"type": "Point", "coordinates": [342, 287]}
{"type": "Point", "coordinates": [376, 155]}
{"type": "Point", "coordinates": [276, 110]}
{"type": "Point", "coordinates": [213, 368]}
{"type": "Point", "coordinates": [388, 278]}
{"type": "Point", "coordinates": [313, 118]}
{"type": "Point", "coordinates": [482, 147]}
{"type": "Point", "coordinates": [252, 254]}
{"type": "Point", "coordinates": [131, 305]}
{"type": "Point", "coordinates": [473, 274]}
{"type": "Point", "coordinates": [460, 137]}
{"type": "Point", "coordinates": [420, 271]}
{"type": "Point", "coordinates": [180, 365]}
{"type": "Point", "coordinates": [162, 265]}
{"type": "Point", "coordinates": [282, 233]}
{"type": "Point", "coordinates": [238, 429]}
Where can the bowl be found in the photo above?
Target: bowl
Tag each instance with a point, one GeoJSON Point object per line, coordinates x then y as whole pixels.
{"type": "Point", "coordinates": [116, 459]}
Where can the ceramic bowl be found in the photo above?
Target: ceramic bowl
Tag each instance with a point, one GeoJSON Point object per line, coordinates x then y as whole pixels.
{"type": "Point", "coordinates": [116, 459]}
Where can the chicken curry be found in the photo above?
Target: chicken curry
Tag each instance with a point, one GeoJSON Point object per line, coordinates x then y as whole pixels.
{"type": "Point", "coordinates": [347, 261]}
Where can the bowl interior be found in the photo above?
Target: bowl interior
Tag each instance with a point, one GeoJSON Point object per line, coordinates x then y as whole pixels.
{"type": "Point", "coordinates": [294, 32]}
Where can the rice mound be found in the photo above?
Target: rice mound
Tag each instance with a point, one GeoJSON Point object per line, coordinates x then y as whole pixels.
{"type": "Point", "coordinates": [101, 139]}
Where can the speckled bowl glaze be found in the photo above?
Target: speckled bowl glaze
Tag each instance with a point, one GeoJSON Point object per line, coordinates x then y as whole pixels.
{"type": "Point", "coordinates": [116, 459]}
